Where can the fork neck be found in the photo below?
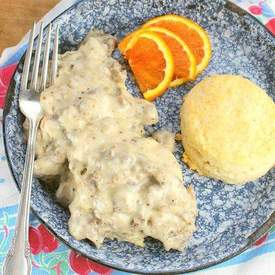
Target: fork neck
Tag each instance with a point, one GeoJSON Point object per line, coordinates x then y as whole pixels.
{"type": "Point", "coordinates": [24, 206]}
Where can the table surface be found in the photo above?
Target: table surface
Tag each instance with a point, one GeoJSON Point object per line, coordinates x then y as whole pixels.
{"type": "Point", "coordinates": [17, 17]}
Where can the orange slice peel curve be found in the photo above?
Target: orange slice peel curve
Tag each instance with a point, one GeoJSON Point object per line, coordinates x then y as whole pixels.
{"type": "Point", "coordinates": [190, 32]}
{"type": "Point", "coordinates": [148, 50]}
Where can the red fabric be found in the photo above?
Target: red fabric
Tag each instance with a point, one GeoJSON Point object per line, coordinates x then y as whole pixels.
{"type": "Point", "coordinates": [257, 10]}
{"type": "Point", "coordinates": [43, 241]}
{"type": "Point", "coordinates": [271, 25]}
{"type": "Point", "coordinates": [5, 78]}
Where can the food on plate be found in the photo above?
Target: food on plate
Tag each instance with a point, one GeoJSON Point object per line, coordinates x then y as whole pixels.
{"type": "Point", "coordinates": [184, 60]}
{"type": "Point", "coordinates": [165, 138]}
{"type": "Point", "coordinates": [152, 64]}
{"type": "Point", "coordinates": [116, 182]}
{"type": "Point", "coordinates": [228, 127]}
{"type": "Point", "coordinates": [190, 32]}
{"type": "Point", "coordinates": [188, 42]}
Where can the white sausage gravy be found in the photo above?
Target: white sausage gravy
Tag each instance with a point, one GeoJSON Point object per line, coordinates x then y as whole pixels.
{"type": "Point", "coordinates": [116, 182]}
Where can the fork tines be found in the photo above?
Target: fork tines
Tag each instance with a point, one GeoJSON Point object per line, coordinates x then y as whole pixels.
{"type": "Point", "coordinates": [36, 85]}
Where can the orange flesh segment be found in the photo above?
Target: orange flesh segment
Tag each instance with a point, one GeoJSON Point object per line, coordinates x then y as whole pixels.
{"type": "Point", "coordinates": [188, 35]}
{"type": "Point", "coordinates": [147, 64]}
{"type": "Point", "coordinates": [184, 60]}
{"type": "Point", "coordinates": [181, 61]}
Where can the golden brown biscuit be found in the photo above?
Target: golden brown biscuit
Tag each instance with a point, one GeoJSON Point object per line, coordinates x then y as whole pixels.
{"type": "Point", "coordinates": [228, 126]}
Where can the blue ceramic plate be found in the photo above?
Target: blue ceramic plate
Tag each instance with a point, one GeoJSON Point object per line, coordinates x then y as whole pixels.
{"type": "Point", "coordinates": [230, 217]}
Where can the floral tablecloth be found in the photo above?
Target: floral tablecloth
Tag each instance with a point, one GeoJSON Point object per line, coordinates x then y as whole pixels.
{"type": "Point", "coordinates": [49, 256]}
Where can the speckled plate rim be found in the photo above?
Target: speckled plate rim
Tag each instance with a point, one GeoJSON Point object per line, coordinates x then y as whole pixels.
{"type": "Point", "coordinates": [252, 238]}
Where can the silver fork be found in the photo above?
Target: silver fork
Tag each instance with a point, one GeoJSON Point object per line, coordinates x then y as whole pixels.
{"type": "Point", "coordinates": [18, 260]}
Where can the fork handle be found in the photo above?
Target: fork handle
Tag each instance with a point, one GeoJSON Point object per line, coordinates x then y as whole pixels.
{"type": "Point", "coordinates": [18, 260]}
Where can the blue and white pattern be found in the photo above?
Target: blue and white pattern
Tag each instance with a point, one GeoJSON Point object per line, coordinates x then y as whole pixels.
{"type": "Point", "coordinates": [227, 214]}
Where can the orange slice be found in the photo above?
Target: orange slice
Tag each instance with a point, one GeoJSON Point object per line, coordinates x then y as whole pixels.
{"type": "Point", "coordinates": [151, 62]}
{"type": "Point", "coordinates": [190, 32]}
{"type": "Point", "coordinates": [184, 60]}
{"type": "Point", "coordinates": [122, 45]}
